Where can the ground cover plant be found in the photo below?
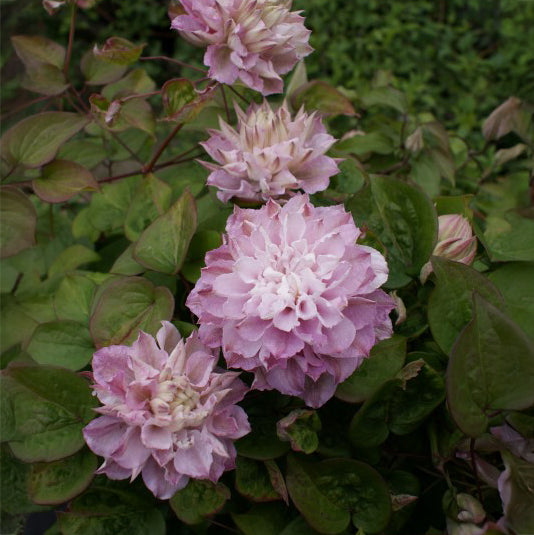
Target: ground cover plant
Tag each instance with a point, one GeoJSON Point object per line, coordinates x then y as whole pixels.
{"type": "Point", "coordinates": [239, 298]}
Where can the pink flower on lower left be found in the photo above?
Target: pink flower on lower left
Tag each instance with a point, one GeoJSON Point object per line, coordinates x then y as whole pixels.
{"type": "Point", "coordinates": [167, 412]}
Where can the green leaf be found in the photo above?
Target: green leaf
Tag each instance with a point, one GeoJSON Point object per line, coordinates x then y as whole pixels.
{"type": "Point", "coordinates": [44, 79]}
{"type": "Point", "coordinates": [152, 199]}
{"type": "Point", "coordinates": [384, 362]}
{"type": "Point", "coordinates": [61, 343]}
{"type": "Point", "coordinates": [262, 443]}
{"type": "Point", "coordinates": [73, 298]}
{"type": "Point", "coordinates": [105, 511]}
{"type": "Point", "coordinates": [199, 499]}
{"type": "Point", "coordinates": [119, 51]}
{"type": "Point", "coordinates": [404, 220]}
{"type": "Point", "coordinates": [72, 258]}
{"type": "Point", "coordinates": [450, 304]}
{"type": "Point", "coordinates": [18, 221]}
{"type": "Point", "coordinates": [458, 204]}
{"type": "Point", "coordinates": [14, 476]}
{"type": "Point", "coordinates": [98, 71]}
{"type": "Point", "coordinates": [300, 429]}
{"type": "Point", "coordinates": [176, 94]}
{"type": "Point", "coordinates": [362, 144]}
{"type": "Point", "coordinates": [125, 264]}
{"type": "Point", "coordinates": [509, 238]}
{"type": "Point", "coordinates": [330, 493]}
{"type": "Point", "coordinates": [321, 96]}
{"type": "Point", "coordinates": [127, 305]}
{"type": "Point", "coordinates": [517, 493]}
{"type": "Point", "coordinates": [386, 96]}
{"type": "Point", "coordinates": [60, 180]}
{"type": "Point", "coordinates": [425, 173]}
{"type": "Point", "coordinates": [515, 281]}
{"type": "Point", "coordinates": [35, 140]}
{"type": "Point", "coordinates": [60, 481]}
{"type": "Point", "coordinates": [252, 480]}
{"type": "Point", "coordinates": [135, 82]}
{"type": "Point", "coordinates": [298, 526]}
{"type": "Point", "coordinates": [83, 152]}
{"type": "Point", "coordinates": [491, 368]}
{"type": "Point", "coordinates": [163, 245]}
{"type": "Point", "coordinates": [138, 114]}
{"type": "Point", "coordinates": [262, 519]}
{"type": "Point", "coordinates": [32, 49]}
{"type": "Point", "coordinates": [351, 177]}
{"type": "Point", "coordinates": [43, 412]}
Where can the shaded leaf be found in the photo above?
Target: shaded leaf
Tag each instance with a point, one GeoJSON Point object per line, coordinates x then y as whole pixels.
{"type": "Point", "coordinates": [18, 221]}
{"type": "Point", "coordinates": [198, 500]}
{"type": "Point", "coordinates": [32, 49]}
{"type": "Point", "coordinates": [262, 519]}
{"type": "Point", "coordinates": [450, 304]}
{"type": "Point", "coordinates": [300, 429]}
{"type": "Point", "coordinates": [491, 368]}
{"type": "Point", "coordinates": [384, 362]}
{"type": "Point", "coordinates": [321, 96]}
{"type": "Point", "coordinates": [60, 180]}
{"type": "Point", "coordinates": [252, 481]}
{"type": "Point", "coordinates": [99, 72]}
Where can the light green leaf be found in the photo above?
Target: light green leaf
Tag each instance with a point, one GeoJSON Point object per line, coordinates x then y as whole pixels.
{"type": "Point", "coordinates": [60, 481]}
{"type": "Point", "coordinates": [43, 412]}
{"type": "Point", "coordinates": [72, 258]}
{"type": "Point", "coordinates": [73, 298]}
{"type": "Point", "coordinates": [61, 343]}
{"type": "Point", "coordinates": [163, 245]}
{"type": "Point", "coordinates": [127, 305]}
{"type": "Point", "coordinates": [35, 140]}
{"type": "Point", "coordinates": [98, 71]}
{"type": "Point", "coordinates": [135, 82]}
{"type": "Point", "coordinates": [362, 144]}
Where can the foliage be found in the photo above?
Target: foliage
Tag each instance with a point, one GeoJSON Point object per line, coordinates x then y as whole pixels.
{"type": "Point", "coordinates": [106, 219]}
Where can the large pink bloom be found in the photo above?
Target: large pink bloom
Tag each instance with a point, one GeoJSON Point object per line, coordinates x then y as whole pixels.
{"type": "Point", "coordinates": [166, 412]}
{"type": "Point", "coordinates": [293, 298]}
{"type": "Point", "coordinates": [270, 154]}
{"type": "Point", "coordinates": [252, 40]}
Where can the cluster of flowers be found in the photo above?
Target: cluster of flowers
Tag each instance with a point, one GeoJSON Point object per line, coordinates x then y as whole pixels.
{"type": "Point", "coordinates": [289, 296]}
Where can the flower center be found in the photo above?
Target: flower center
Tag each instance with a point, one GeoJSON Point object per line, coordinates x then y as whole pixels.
{"type": "Point", "coordinates": [177, 404]}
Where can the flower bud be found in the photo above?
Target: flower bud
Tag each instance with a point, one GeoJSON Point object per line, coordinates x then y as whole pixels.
{"type": "Point", "coordinates": [455, 242]}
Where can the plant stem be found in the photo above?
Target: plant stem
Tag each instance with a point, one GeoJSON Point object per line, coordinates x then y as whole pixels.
{"type": "Point", "coordinates": [238, 94]}
{"type": "Point", "coordinates": [71, 39]}
{"type": "Point", "coordinates": [150, 166]}
{"type": "Point", "coordinates": [221, 87]}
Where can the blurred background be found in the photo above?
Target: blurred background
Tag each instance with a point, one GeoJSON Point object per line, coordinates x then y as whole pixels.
{"type": "Point", "coordinates": [457, 59]}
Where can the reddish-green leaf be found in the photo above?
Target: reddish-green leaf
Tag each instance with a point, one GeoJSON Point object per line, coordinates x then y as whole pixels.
{"type": "Point", "coordinates": [119, 51]}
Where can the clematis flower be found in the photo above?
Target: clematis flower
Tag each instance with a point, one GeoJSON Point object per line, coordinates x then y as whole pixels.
{"type": "Point", "coordinates": [455, 242]}
{"type": "Point", "coordinates": [291, 297]}
{"type": "Point", "coordinates": [167, 413]}
{"type": "Point", "coordinates": [270, 155]}
{"type": "Point", "coordinates": [254, 41]}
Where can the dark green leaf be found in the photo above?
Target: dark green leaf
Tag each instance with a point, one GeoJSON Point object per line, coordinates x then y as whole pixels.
{"type": "Point", "coordinates": [18, 221]}
{"type": "Point", "coordinates": [491, 368]}
{"type": "Point", "coordinates": [35, 140]}
{"type": "Point", "coordinates": [202, 242]}
{"type": "Point", "coordinates": [262, 442]}
{"type": "Point", "coordinates": [384, 362]}
{"type": "Point", "coordinates": [450, 304]}
{"type": "Point", "coordinates": [263, 519]}
{"type": "Point", "coordinates": [34, 49]}
{"type": "Point", "coordinates": [404, 220]}
{"type": "Point", "coordinates": [330, 493]}
{"type": "Point", "coordinates": [516, 283]}
{"type": "Point", "coordinates": [198, 500]}
{"type": "Point", "coordinates": [127, 305]}
{"type": "Point", "coordinates": [361, 144]}
{"type": "Point", "coordinates": [252, 481]}
{"type": "Point", "coordinates": [60, 481]}
{"type": "Point", "coordinates": [61, 343]}
{"type": "Point", "coordinates": [163, 245]}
